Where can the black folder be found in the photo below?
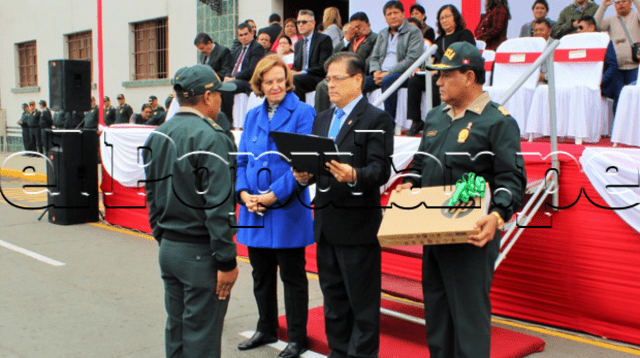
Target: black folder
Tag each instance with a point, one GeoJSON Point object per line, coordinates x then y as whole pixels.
{"type": "Point", "coordinates": [306, 152]}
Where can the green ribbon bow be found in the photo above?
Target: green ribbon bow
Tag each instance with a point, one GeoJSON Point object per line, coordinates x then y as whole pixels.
{"type": "Point", "coordinates": [468, 188]}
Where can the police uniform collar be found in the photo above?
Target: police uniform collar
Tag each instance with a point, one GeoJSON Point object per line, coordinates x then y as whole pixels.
{"type": "Point", "coordinates": [190, 110]}
{"type": "Point", "coordinates": [476, 107]}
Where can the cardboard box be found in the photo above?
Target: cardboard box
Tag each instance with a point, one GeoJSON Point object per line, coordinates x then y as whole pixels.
{"type": "Point", "coordinates": [409, 222]}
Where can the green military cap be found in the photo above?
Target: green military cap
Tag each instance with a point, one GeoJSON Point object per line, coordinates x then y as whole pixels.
{"type": "Point", "coordinates": [32, 102]}
{"type": "Point", "coordinates": [120, 96]}
{"type": "Point", "coordinates": [196, 80]}
{"type": "Point", "coordinates": [43, 102]}
{"type": "Point", "coordinates": [460, 54]}
{"type": "Point", "coordinates": [24, 105]}
{"type": "Point", "coordinates": [106, 99]}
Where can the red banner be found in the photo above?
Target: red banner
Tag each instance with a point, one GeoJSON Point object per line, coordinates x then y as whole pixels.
{"type": "Point", "coordinates": [580, 55]}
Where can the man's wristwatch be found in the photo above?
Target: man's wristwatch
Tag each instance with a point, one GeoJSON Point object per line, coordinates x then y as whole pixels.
{"type": "Point", "coordinates": [500, 221]}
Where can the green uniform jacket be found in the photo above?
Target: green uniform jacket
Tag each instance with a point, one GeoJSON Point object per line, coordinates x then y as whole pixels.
{"type": "Point", "coordinates": [123, 114]}
{"type": "Point", "coordinates": [568, 15]}
{"type": "Point", "coordinates": [45, 118]}
{"type": "Point", "coordinates": [91, 118]}
{"type": "Point", "coordinates": [158, 116]}
{"type": "Point", "coordinates": [109, 115]}
{"type": "Point", "coordinates": [491, 143]}
{"type": "Point", "coordinates": [23, 119]}
{"type": "Point", "coordinates": [191, 199]}
{"type": "Point", "coordinates": [33, 119]}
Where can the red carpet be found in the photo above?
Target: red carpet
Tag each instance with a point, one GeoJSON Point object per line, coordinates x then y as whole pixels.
{"type": "Point", "coordinates": [410, 339]}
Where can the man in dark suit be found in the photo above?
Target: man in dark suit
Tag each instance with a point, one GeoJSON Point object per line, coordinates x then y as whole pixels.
{"type": "Point", "coordinates": [310, 53]}
{"type": "Point", "coordinates": [214, 55]}
{"type": "Point", "coordinates": [359, 39]}
{"type": "Point", "coordinates": [348, 212]}
{"type": "Point", "coordinates": [274, 27]}
{"type": "Point", "coordinates": [245, 59]}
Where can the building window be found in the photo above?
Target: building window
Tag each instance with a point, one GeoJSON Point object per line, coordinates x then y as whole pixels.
{"type": "Point", "coordinates": [80, 47]}
{"type": "Point", "coordinates": [150, 49]}
{"type": "Point", "coordinates": [28, 64]}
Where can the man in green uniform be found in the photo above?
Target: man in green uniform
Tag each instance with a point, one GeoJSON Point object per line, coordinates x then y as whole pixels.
{"type": "Point", "coordinates": [109, 112]}
{"type": "Point", "coordinates": [160, 118]}
{"type": "Point", "coordinates": [466, 134]}
{"type": "Point", "coordinates": [45, 122]}
{"type": "Point", "coordinates": [124, 111]}
{"type": "Point", "coordinates": [33, 121]}
{"type": "Point", "coordinates": [91, 118]}
{"type": "Point", "coordinates": [192, 214]}
{"type": "Point", "coordinates": [155, 107]}
{"type": "Point", "coordinates": [22, 122]}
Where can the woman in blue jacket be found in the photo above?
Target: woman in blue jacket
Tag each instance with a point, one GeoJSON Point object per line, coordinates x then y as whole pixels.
{"type": "Point", "coordinates": [275, 221]}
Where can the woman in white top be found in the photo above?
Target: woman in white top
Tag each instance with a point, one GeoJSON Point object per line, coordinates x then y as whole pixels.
{"type": "Point", "coordinates": [285, 49]}
{"type": "Point", "coordinates": [332, 24]}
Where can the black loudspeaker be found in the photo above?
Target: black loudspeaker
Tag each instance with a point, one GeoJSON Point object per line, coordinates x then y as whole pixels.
{"type": "Point", "coordinates": [72, 180]}
{"type": "Point", "coordinates": [70, 85]}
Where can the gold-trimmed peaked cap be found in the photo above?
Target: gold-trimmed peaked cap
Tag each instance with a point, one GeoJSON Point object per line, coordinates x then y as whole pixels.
{"type": "Point", "coordinates": [459, 54]}
{"type": "Point", "coordinates": [196, 80]}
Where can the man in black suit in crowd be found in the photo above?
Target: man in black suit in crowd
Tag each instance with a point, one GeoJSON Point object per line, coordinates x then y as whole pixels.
{"type": "Point", "coordinates": [348, 213]}
{"type": "Point", "coordinates": [245, 59]}
{"type": "Point", "coordinates": [274, 27]}
{"type": "Point", "coordinates": [359, 39]}
{"type": "Point", "coordinates": [310, 53]}
{"type": "Point", "coordinates": [214, 55]}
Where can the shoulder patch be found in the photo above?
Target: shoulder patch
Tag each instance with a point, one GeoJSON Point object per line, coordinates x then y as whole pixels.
{"type": "Point", "coordinates": [503, 111]}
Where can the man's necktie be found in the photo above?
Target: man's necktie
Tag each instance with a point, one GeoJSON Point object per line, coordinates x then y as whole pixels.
{"type": "Point", "coordinates": [305, 53]}
{"type": "Point", "coordinates": [335, 125]}
{"type": "Point", "coordinates": [236, 68]}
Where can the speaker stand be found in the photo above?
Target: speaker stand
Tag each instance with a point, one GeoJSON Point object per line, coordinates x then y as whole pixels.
{"type": "Point", "coordinates": [44, 212]}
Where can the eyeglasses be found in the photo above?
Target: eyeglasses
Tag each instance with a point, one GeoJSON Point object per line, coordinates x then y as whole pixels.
{"type": "Point", "coordinates": [336, 79]}
{"type": "Point", "coordinates": [303, 22]}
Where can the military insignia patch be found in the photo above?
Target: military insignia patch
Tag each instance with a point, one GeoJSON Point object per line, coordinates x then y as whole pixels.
{"type": "Point", "coordinates": [432, 133]}
{"type": "Point", "coordinates": [503, 111]}
{"type": "Point", "coordinates": [464, 133]}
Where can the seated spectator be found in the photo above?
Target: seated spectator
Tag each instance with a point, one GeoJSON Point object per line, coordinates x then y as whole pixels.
{"type": "Point", "coordinates": [586, 24]}
{"type": "Point", "coordinates": [542, 28]}
{"type": "Point", "coordinates": [285, 50]}
{"type": "Point", "coordinates": [540, 9]}
{"type": "Point", "coordinates": [451, 28]}
{"type": "Point", "coordinates": [332, 24]}
{"type": "Point", "coordinates": [358, 38]}
{"type": "Point", "coordinates": [290, 29]}
{"type": "Point", "coordinates": [397, 48]}
{"type": "Point", "coordinates": [265, 40]}
{"type": "Point", "coordinates": [252, 30]}
{"type": "Point", "coordinates": [145, 114]}
{"type": "Point", "coordinates": [418, 12]}
{"type": "Point", "coordinates": [274, 28]}
{"type": "Point", "coordinates": [245, 59]}
{"type": "Point", "coordinates": [624, 70]}
{"type": "Point", "coordinates": [568, 20]}
{"type": "Point", "coordinates": [492, 27]}
{"type": "Point", "coordinates": [214, 55]}
{"type": "Point", "coordinates": [311, 52]}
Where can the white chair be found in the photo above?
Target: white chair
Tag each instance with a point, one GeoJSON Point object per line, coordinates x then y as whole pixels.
{"type": "Point", "coordinates": [580, 109]}
{"type": "Point", "coordinates": [626, 125]}
{"type": "Point", "coordinates": [240, 101]}
{"type": "Point", "coordinates": [310, 98]}
{"type": "Point", "coordinates": [512, 59]}
{"type": "Point", "coordinates": [481, 45]}
{"type": "Point", "coordinates": [489, 58]}
{"type": "Point", "coordinates": [401, 106]}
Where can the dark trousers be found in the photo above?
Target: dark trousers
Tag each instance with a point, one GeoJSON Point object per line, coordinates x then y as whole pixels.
{"type": "Point", "coordinates": [456, 280]}
{"type": "Point", "coordinates": [195, 314]}
{"type": "Point", "coordinates": [322, 97]}
{"type": "Point", "coordinates": [43, 138]}
{"type": "Point", "coordinates": [226, 106]}
{"type": "Point", "coordinates": [304, 84]}
{"type": "Point", "coordinates": [35, 139]}
{"type": "Point", "coordinates": [350, 280]}
{"type": "Point", "coordinates": [25, 138]}
{"type": "Point", "coordinates": [391, 103]}
{"type": "Point", "coordinates": [292, 262]}
{"type": "Point", "coordinates": [416, 85]}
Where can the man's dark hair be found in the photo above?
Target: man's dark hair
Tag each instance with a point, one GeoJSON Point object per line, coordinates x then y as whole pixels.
{"type": "Point", "coordinates": [543, 21]}
{"type": "Point", "coordinates": [359, 16]}
{"type": "Point", "coordinates": [355, 64]}
{"type": "Point", "coordinates": [480, 73]}
{"type": "Point", "coordinates": [249, 20]}
{"type": "Point", "coordinates": [146, 105]}
{"type": "Point", "coordinates": [457, 17]}
{"type": "Point", "coordinates": [416, 22]}
{"type": "Point", "coordinates": [543, 2]}
{"type": "Point", "coordinates": [274, 17]}
{"type": "Point", "coordinates": [264, 31]}
{"type": "Point", "coordinates": [243, 25]}
{"type": "Point", "coordinates": [417, 7]}
{"type": "Point", "coordinates": [392, 4]}
{"type": "Point", "coordinates": [588, 19]}
{"type": "Point", "coordinates": [202, 38]}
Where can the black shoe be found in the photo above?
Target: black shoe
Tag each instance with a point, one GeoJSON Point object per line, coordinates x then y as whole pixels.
{"type": "Point", "coordinates": [258, 339]}
{"type": "Point", "coordinates": [293, 350]}
{"type": "Point", "coordinates": [416, 127]}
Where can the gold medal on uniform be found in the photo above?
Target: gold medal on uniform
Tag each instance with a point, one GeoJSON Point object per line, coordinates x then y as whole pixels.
{"type": "Point", "coordinates": [464, 133]}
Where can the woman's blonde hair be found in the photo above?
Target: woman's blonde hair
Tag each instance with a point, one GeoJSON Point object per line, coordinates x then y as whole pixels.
{"type": "Point", "coordinates": [331, 16]}
{"type": "Point", "coordinates": [268, 62]}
